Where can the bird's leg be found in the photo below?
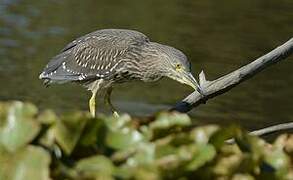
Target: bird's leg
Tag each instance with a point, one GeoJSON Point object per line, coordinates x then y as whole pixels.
{"type": "Point", "coordinates": [92, 104]}
{"type": "Point", "coordinates": [108, 101]}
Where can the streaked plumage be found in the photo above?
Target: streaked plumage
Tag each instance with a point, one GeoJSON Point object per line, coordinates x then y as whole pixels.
{"type": "Point", "coordinates": [104, 57]}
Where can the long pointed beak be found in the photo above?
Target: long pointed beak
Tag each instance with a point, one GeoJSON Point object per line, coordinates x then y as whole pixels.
{"type": "Point", "coordinates": [191, 81]}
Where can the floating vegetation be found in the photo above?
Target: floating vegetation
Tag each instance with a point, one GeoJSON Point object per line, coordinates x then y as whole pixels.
{"type": "Point", "coordinates": [41, 145]}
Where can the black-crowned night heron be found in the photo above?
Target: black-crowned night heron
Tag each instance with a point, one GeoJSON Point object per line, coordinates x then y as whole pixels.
{"type": "Point", "coordinates": [105, 57]}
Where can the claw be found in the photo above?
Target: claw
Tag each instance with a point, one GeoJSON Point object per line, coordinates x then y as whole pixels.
{"type": "Point", "coordinates": [108, 101]}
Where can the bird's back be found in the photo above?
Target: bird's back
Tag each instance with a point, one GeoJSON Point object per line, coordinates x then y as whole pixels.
{"type": "Point", "coordinates": [96, 55]}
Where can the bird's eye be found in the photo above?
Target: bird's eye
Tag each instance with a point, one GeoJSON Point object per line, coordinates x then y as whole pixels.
{"type": "Point", "coordinates": [178, 67]}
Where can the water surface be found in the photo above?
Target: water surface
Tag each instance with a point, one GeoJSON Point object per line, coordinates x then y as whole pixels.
{"type": "Point", "coordinates": [217, 36]}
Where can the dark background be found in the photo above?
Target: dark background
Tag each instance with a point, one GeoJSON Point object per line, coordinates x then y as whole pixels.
{"type": "Point", "coordinates": [217, 36]}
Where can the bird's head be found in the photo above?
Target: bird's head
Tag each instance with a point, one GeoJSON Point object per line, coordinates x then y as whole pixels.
{"type": "Point", "coordinates": [176, 66]}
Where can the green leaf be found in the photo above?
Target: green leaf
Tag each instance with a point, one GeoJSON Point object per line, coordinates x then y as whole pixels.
{"type": "Point", "coordinates": [278, 159]}
{"type": "Point", "coordinates": [242, 177]}
{"type": "Point", "coordinates": [166, 124]}
{"type": "Point", "coordinates": [18, 126]}
{"type": "Point", "coordinates": [48, 117]}
{"type": "Point", "coordinates": [165, 150]}
{"type": "Point", "coordinates": [95, 167]}
{"type": "Point", "coordinates": [123, 138]}
{"type": "Point", "coordinates": [166, 120]}
{"type": "Point", "coordinates": [30, 163]}
{"type": "Point", "coordinates": [69, 129]}
{"type": "Point", "coordinates": [94, 133]}
{"type": "Point", "coordinates": [202, 135]}
{"type": "Point", "coordinates": [219, 138]}
{"type": "Point", "coordinates": [203, 155]}
{"type": "Point", "coordinates": [115, 123]}
{"type": "Point", "coordinates": [145, 155]}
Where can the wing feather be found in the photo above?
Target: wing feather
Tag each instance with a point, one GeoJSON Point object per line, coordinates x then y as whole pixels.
{"type": "Point", "coordinates": [93, 56]}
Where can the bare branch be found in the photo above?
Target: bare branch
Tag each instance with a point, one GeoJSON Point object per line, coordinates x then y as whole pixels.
{"type": "Point", "coordinates": [267, 130]}
{"type": "Point", "coordinates": [272, 129]}
{"type": "Point", "coordinates": [227, 82]}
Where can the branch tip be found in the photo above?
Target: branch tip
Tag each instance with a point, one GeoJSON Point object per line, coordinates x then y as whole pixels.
{"type": "Point", "coordinates": [202, 78]}
{"type": "Point", "coordinates": [227, 82]}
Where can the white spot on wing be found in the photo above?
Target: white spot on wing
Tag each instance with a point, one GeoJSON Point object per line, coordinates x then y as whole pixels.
{"type": "Point", "coordinates": [63, 65]}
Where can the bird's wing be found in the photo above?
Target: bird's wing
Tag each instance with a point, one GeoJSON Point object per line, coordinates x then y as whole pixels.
{"type": "Point", "coordinates": [95, 55]}
{"type": "Point", "coordinates": [121, 37]}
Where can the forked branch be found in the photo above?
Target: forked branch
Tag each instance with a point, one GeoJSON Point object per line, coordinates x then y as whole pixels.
{"type": "Point", "coordinates": [225, 83]}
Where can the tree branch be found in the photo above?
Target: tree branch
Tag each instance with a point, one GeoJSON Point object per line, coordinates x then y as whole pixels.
{"type": "Point", "coordinates": [225, 83]}
{"type": "Point", "coordinates": [272, 129]}
{"type": "Point", "coordinates": [267, 130]}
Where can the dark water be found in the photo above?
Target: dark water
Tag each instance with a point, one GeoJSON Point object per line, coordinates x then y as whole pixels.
{"type": "Point", "coordinates": [217, 36]}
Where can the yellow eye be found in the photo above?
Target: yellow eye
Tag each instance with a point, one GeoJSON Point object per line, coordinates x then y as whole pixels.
{"type": "Point", "coordinates": [178, 67]}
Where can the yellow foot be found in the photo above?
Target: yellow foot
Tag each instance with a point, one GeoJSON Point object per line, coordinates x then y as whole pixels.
{"type": "Point", "coordinates": [92, 105]}
{"type": "Point", "coordinates": [115, 114]}
{"type": "Point", "coordinates": [93, 113]}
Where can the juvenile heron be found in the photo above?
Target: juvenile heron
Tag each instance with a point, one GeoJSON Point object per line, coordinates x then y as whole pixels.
{"type": "Point", "coordinates": [106, 57]}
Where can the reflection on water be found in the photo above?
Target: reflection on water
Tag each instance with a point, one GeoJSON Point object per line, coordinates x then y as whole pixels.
{"type": "Point", "coordinates": [217, 36]}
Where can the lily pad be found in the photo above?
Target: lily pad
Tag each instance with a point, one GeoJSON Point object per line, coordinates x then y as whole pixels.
{"type": "Point", "coordinates": [279, 161]}
{"type": "Point", "coordinates": [166, 124]}
{"type": "Point", "coordinates": [219, 138]}
{"type": "Point", "coordinates": [201, 135]}
{"type": "Point", "coordinates": [18, 126]}
{"type": "Point", "coordinates": [203, 155]}
{"type": "Point", "coordinates": [47, 117]}
{"type": "Point", "coordinates": [94, 133]}
{"type": "Point", "coordinates": [69, 129]}
{"type": "Point", "coordinates": [30, 163]}
{"type": "Point", "coordinates": [167, 120]}
{"type": "Point", "coordinates": [95, 167]}
{"type": "Point", "coordinates": [123, 138]}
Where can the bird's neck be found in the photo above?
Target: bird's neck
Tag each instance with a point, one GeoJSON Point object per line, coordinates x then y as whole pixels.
{"type": "Point", "coordinates": [152, 69]}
